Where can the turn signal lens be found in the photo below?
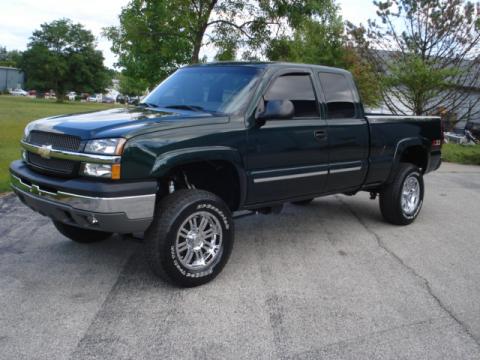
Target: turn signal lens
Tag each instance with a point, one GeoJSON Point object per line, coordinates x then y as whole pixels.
{"type": "Point", "coordinates": [116, 171]}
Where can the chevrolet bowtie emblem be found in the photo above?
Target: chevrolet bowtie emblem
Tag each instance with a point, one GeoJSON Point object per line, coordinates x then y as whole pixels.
{"type": "Point", "coordinates": [44, 151]}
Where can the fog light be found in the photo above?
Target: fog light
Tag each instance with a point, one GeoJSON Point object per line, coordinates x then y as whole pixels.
{"type": "Point", "coordinates": [92, 219]}
{"type": "Point", "coordinates": [101, 170]}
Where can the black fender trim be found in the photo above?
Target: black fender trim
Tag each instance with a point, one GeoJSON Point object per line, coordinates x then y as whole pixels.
{"type": "Point", "coordinates": [171, 159]}
{"type": "Point", "coordinates": [402, 146]}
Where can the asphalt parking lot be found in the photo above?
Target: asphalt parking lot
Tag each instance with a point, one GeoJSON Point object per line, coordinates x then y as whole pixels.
{"type": "Point", "coordinates": [327, 281]}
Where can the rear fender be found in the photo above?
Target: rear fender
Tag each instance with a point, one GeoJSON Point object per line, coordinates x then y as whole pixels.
{"type": "Point", "coordinates": [400, 149]}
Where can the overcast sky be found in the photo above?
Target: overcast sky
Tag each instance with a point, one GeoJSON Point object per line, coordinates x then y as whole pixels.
{"type": "Point", "coordinates": [19, 18]}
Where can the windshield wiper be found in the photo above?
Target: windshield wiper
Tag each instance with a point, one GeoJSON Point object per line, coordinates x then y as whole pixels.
{"type": "Point", "coordinates": [187, 107]}
{"type": "Point", "coordinates": [147, 104]}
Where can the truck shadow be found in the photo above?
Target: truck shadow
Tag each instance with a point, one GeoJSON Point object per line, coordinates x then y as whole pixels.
{"type": "Point", "coordinates": [291, 230]}
{"type": "Point", "coordinates": [294, 229]}
{"type": "Point", "coordinates": [312, 217]}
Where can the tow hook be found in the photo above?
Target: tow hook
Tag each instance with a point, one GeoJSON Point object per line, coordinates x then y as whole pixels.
{"type": "Point", "coordinates": [373, 195]}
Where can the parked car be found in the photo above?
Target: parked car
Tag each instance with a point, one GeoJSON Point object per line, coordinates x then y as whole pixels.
{"type": "Point", "coordinates": [474, 127]}
{"type": "Point", "coordinates": [247, 136]}
{"type": "Point", "coordinates": [50, 95]}
{"type": "Point", "coordinates": [95, 98]}
{"type": "Point", "coordinates": [18, 92]}
{"type": "Point", "coordinates": [72, 96]}
{"type": "Point", "coordinates": [84, 96]}
{"type": "Point", "coordinates": [121, 99]}
{"type": "Point", "coordinates": [133, 100]}
{"type": "Point", "coordinates": [108, 100]}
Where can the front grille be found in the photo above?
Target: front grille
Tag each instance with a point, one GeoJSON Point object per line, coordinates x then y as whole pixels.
{"type": "Point", "coordinates": [59, 166]}
{"type": "Point", "coordinates": [58, 141]}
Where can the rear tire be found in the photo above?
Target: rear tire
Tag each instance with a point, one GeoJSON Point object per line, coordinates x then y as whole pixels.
{"type": "Point", "coordinates": [302, 202]}
{"type": "Point", "coordinates": [80, 235]}
{"type": "Point", "coordinates": [190, 239]}
{"type": "Point", "coordinates": [401, 200]}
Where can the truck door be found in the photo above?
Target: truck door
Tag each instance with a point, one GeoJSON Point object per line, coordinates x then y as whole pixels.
{"type": "Point", "coordinates": [348, 137]}
{"type": "Point", "coordinates": [288, 157]}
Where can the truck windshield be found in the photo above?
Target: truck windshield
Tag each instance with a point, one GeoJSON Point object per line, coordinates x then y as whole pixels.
{"type": "Point", "coordinates": [217, 89]}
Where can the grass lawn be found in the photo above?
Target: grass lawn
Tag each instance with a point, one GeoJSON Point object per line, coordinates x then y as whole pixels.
{"type": "Point", "coordinates": [16, 112]}
{"type": "Point", "coordinates": [461, 154]}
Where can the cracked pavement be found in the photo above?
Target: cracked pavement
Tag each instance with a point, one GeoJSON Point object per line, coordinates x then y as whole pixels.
{"type": "Point", "coordinates": [326, 281]}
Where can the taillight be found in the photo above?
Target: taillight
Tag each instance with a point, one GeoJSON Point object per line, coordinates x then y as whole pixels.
{"type": "Point", "coordinates": [442, 132]}
{"type": "Point", "coordinates": [437, 142]}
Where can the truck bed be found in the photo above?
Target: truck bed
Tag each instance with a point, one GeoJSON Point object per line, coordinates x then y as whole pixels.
{"type": "Point", "coordinates": [389, 133]}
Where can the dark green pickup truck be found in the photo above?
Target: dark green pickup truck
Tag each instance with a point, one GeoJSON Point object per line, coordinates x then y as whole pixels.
{"type": "Point", "coordinates": [213, 139]}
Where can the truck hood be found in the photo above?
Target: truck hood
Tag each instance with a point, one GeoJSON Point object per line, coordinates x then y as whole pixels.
{"type": "Point", "coordinates": [123, 122]}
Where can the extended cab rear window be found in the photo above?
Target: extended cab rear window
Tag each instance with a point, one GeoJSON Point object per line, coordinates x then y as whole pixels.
{"type": "Point", "coordinates": [298, 89]}
{"type": "Point", "coordinates": [338, 96]}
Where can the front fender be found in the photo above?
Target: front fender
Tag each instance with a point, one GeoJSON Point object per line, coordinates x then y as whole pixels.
{"type": "Point", "coordinates": [165, 162]}
{"type": "Point", "coordinates": [168, 160]}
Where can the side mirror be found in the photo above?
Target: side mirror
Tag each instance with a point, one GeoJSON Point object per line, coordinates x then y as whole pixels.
{"type": "Point", "coordinates": [276, 109]}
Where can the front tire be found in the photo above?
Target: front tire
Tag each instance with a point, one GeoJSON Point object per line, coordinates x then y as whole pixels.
{"type": "Point", "coordinates": [401, 200]}
{"type": "Point", "coordinates": [190, 239]}
{"type": "Point", "coordinates": [80, 235]}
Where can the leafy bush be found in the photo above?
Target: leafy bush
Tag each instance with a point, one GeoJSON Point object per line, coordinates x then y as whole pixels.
{"type": "Point", "coordinates": [462, 154]}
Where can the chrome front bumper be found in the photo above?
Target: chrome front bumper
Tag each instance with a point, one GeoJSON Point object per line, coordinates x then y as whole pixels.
{"type": "Point", "coordinates": [120, 214]}
{"type": "Point", "coordinates": [134, 207]}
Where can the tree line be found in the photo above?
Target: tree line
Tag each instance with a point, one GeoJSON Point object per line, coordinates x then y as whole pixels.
{"type": "Point", "coordinates": [61, 56]}
{"type": "Point", "coordinates": [414, 56]}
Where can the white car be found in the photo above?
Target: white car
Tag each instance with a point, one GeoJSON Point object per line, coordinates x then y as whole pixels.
{"type": "Point", "coordinates": [71, 95]}
{"type": "Point", "coordinates": [95, 98]}
{"type": "Point", "coordinates": [18, 92]}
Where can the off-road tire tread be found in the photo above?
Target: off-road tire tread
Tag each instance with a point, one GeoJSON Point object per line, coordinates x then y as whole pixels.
{"type": "Point", "coordinates": [390, 196]}
{"type": "Point", "coordinates": [166, 212]}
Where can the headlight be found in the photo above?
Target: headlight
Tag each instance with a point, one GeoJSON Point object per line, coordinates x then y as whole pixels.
{"type": "Point", "coordinates": [105, 146]}
{"type": "Point", "coordinates": [108, 171]}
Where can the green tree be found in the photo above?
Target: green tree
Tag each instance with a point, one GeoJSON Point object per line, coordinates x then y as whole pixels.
{"type": "Point", "coordinates": [418, 81]}
{"type": "Point", "coordinates": [9, 58]}
{"type": "Point", "coordinates": [130, 86]}
{"type": "Point", "coordinates": [150, 41]}
{"type": "Point", "coordinates": [157, 36]}
{"type": "Point", "coordinates": [428, 52]}
{"type": "Point", "coordinates": [61, 56]}
{"type": "Point", "coordinates": [368, 81]}
{"type": "Point", "coordinates": [321, 40]}
{"type": "Point", "coordinates": [318, 40]}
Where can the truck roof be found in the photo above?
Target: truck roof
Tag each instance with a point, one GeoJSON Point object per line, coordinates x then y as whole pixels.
{"type": "Point", "coordinates": [264, 64]}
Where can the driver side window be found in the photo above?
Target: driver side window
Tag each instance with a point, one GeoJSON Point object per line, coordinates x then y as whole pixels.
{"type": "Point", "coordinates": [297, 88]}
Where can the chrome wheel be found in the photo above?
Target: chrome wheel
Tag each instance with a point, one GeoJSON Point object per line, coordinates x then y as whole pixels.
{"type": "Point", "coordinates": [199, 241]}
{"type": "Point", "coordinates": [410, 195]}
